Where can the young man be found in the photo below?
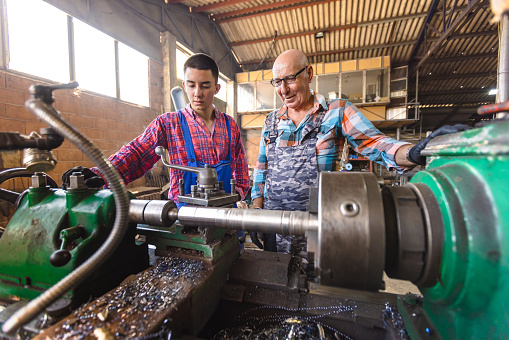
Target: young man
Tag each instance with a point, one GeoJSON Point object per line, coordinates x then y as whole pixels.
{"type": "Point", "coordinates": [302, 138]}
{"type": "Point", "coordinates": [197, 135]}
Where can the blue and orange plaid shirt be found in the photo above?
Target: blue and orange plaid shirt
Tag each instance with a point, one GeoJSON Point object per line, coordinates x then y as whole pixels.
{"type": "Point", "coordinates": [134, 159]}
{"type": "Point", "coordinates": [342, 119]}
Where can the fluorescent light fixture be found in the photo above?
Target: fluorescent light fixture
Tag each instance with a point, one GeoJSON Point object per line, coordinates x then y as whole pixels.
{"type": "Point", "coordinates": [493, 92]}
{"type": "Point", "coordinates": [318, 35]}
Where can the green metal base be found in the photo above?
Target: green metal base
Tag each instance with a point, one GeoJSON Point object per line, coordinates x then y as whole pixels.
{"type": "Point", "coordinates": [210, 244]}
{"type": "Point", "coordinates": [33, 235]}
{"type": "Point", "coordinates": [469, 174]}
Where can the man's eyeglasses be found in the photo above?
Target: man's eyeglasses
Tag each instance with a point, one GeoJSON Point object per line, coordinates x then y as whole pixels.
{"type": "Point", "coordinates": [288, 79]}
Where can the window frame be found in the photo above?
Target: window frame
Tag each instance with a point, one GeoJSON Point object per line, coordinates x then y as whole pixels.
{"type": "Point", "coordinates": [5, 56]}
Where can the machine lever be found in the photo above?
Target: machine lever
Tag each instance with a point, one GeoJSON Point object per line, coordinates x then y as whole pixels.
{"type": "Point", "coordinates": [205, 176]}
{"type": "Point", "coordinates": [45, 92]}
{"type": "Point", "coordinates": [62, 256]}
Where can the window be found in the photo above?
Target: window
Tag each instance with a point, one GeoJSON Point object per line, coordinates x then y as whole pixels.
{"type": "Point", "coordinates": [95, 59]}
{"type": "Point", "coordinates": [39, 36]}
{"type": "Point", "coordinates": [38, 41]}
{"type": "Point", "coordinates": [133, 74]}
{"type": "Point", "coordinates": [222, 91]}
{"type": "Point", "coordinates": [181, 60]}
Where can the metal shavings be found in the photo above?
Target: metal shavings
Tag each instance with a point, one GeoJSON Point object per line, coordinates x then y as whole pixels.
{"type": "Point", "coordinates": [292, 320]}
{"type": "Point", "coordinates": [130, 307]}
{"type": "Point", "coordinates": [321, 331]}
{"type": "Point", "coordinates": [103, 334]}
{"type": "Point", "coordinates": [103, 315]}
{"type": "Point", "coordinates": [294, 331]}
{"type": "Point", "coordinates": [327, 310]}
{"type": "Point", "coordinates": [393, 319]}
{"type": "Point", "coordinates": [285, 326]}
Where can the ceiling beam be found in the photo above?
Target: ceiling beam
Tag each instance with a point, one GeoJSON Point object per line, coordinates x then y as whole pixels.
{"type": "Point", "coordinates": [422, 35]}
{"type": "Point", "coordinates": [472, 34]}
{"type": "Point", "coordinates": [334, 28]}
{"type": "Point", "coordinates": [274, 7]}
{"type": "Point", "coordinates": [348, 50]}
{"type": "Point", "coordinates": [455, 76]}
{"type": "Point", "coordinates": [295, 35]}
{"type": "Point", "coordinates": [372, 47]}
{"type": "Point", "coordinates": [464, 57]}
{"type": "Point", "coordinates": [216, 5]}
{"type": "Point", "coordinates": [344, 27]}
{"type": "Point", "coordinates": [268, 9]}
{"type": "Point", "coordinates": [439, 111]}
{"type": "Point", "coordinates": [472, 5]}
{"type": "Point", "coordinates": [459, 91]}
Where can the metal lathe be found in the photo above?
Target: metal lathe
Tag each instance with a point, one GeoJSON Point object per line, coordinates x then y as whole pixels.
{"type": "Point", "coordinates": [74, 263]}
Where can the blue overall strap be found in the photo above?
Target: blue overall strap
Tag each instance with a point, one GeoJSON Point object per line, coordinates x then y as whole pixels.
{"type": "Point", "coordinates": [229, 138]}
{"type": "Point", "coordinates": [273, 129]}
{"type": "Point", "coordinates": [188, 140]}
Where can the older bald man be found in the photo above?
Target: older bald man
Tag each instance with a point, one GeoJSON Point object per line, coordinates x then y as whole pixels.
{"type": "Point", "coordinates": [303, 137]}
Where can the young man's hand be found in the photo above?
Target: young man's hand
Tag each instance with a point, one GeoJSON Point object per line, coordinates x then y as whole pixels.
{"type": "Point", "coordinates": [92, 180]}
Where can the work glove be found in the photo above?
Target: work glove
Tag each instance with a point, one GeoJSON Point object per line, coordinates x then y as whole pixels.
{"type": "Point", "coordinates": [92, 180]}
{"type": "Point", "coordinates": [414, 154]}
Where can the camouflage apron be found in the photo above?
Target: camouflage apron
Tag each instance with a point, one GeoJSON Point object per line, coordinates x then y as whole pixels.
{"type": "Point", "coordinates": [291, 172]}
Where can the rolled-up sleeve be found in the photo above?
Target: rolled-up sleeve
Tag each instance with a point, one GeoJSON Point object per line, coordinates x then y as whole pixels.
{"type": "Point", "coordinates": [260, 171]}
{"type": "Point", "coordinates": [368, 140]}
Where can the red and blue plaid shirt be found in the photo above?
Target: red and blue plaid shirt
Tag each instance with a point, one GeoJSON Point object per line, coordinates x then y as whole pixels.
{"type": "Point", "coordinates": [134, 159]}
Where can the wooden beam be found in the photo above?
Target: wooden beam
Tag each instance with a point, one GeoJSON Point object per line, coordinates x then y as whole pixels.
{"type": "Point", "coordinates": [295, 35]}
{"type": "Point", "coordinates": [217, 5]}
{"type": "Point", "coordinates": [274, 7]}
{"type": "Point", "coordinates": [372, 47]}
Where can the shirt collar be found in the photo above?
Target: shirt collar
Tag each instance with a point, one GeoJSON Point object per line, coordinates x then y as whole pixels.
{"type": "Point", "coordinates": [319, 100]}
{"type": "Point", "coordinates": [193, 114]}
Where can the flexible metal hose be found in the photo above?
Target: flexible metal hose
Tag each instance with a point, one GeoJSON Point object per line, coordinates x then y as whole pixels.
{"type": "Point", "coordinates": [49, 115]}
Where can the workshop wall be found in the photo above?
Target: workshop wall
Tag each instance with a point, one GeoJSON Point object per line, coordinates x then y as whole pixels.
{"type": "Point", "coordinates": [251, 140]}
{"type": "Point", "coordinates": [108, 122]}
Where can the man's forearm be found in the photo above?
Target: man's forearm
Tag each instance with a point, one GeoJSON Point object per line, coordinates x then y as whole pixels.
{"type": "Point", "coordinates": [400, 156]}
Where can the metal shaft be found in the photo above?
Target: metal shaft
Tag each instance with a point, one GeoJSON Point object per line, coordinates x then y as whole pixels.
{"type": "Point", "coordinates": [503, 60]}
{"type": "Point", "coordinates": [270, 221]}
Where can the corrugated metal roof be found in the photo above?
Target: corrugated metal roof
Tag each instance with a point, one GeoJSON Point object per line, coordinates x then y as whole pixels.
{"type": "Point", "coordinates": [464, 65]}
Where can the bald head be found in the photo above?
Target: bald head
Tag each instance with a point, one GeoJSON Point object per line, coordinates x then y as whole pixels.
{"type": "Point", "coordinates": [293, 76]}
{"type": "Point", "coordinates": [290, 60]}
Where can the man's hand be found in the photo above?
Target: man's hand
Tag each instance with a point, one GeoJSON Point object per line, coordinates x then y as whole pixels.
{"type": "Point", "coordinates": [92, 180]}
{"type": "Point", "coordinates": [414, 154]}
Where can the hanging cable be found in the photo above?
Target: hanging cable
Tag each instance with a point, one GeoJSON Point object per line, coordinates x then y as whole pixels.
{"type": "Point", "coordinates": [272, 44]}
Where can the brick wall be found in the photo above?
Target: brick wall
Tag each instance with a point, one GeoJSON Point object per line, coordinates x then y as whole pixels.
{"type": "Point", "coordinates": [107, 122]}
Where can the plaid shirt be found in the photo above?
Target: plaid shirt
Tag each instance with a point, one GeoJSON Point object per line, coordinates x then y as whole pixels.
{"type": "Point", "coordinates": [134, 159]}
{"type": "Point", "coordinates": [342, 119]}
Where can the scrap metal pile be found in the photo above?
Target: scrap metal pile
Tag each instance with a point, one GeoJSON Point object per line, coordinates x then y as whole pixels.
{"type": "Point", "coordinates": [138, 307]}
